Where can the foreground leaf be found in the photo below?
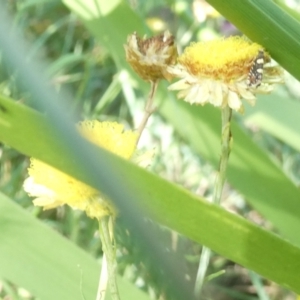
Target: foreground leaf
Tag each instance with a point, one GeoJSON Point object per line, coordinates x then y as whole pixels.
{"type": "Point", "coordinates": [267, 24]}
{"type": "Point", "coordinates": [35, 257]}
{"type": "Point", "coordinates": [225, 233]}
{"type": "Point", "coordinates": [251, 171]}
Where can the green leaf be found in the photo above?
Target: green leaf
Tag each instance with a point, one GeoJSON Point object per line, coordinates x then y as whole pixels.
{"type": "Point", "coordinates": [35, 257]}
{"type": "Point", "coordinates": [226, 233]}
{"type": "Point", "coordinates": [251, 171]}
{"type": "Point", "coordinates": [267, 24]}
{"type": "Point", "coordinates": [106, 20]}
{"type": "Point", "coordinates": [277, 116]}
{"type": "Point", "coordinates": [64, 62]}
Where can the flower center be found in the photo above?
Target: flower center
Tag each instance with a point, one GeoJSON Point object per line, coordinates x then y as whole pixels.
{"type": "Point", "coordinates": [223, 59]}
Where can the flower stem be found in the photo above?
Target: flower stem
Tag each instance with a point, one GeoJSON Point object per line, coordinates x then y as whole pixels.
{"type": "Point", "coordinates": [226, 142]}
{"type": "Point", "coordinates": [109, 261]}
{"type": "Point", "coordinates": [103, 280]}
{"type": "Point", "coordinates": [149, 109]}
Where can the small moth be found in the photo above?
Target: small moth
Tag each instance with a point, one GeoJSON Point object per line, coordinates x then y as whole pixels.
{"type": "Point", "coordinates": [256, 72]}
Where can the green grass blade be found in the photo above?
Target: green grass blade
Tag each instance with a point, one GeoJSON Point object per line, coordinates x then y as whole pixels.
{"type": "Point", "coordinates": [35, 257]}
{"type": "Point", "coordinates": [251, 172]}
{"type": "Point", "coordinates": [225, 233]}
{"type": "Point", "coordinates": [105, 19]}
{"type": "Point", "coordinates": [64, 63]}
{"type": "Point", "coordinates": [266, 23]}
{"type": "Point", "coordinates": [277, 116]}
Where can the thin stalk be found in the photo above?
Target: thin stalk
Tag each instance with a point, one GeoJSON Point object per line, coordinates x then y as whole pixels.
{"type": "Point", "coordinates": [259, 286]}
{"type": "Point", "coordinates": [103, 280]}
{"type": "Point", "coordinates": [226, 141]}
{"type": "Point", "coordinates": [109, 257]}
{"type": "Point", "coordinates": [149, 109]}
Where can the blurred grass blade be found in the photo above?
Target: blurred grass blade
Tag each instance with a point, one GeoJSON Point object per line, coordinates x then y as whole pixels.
{"type": "Point", "coordinates": [257, 283]}
{"type": "Point", "coordinates": [267, 24]}
{"type": "Point", "coordinates": [130, 187]}
{"type": "Point", "coordinates": [225, 233]}
{"type": "Point", "coordinates": [289, 9]}
{"type": "Point", "coordinates": [277, 116]}
{"type": "Point", "coordinates": [110, 94]}
{"type": "Point", "coordinates": [106, 21]}
{"type": "Point", "coordinates": [251, 171]}
{"type": "Point", "coordinates": [89, 164]}
{"type": "Point", "coordinates": [29, 3]}
{"type": "Point", "coordinates": [35, 257]}
{"type": "Point", "coordinates": [64, 62]}
{"type": "Point", "coordinates": [41, 41]}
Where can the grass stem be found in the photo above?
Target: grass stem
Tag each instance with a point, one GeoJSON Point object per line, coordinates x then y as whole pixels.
{"type": "Point", "coordinates": [226, 143]}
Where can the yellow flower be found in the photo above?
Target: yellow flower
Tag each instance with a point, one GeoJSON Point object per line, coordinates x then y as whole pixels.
{"type": "Point", "coordinates": [224, 71]}
{"type": "Point", "coordinates": [150, 57]}
{"type": "Point", "coordinates": [53, 188]}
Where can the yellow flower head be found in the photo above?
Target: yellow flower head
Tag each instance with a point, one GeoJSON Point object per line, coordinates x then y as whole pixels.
{"type": "Point", "coordinates": [53, 188]}
{"type": "Point", "coordinates": [150, 57]}
{"type": "Point", "coordinates": [223, 71]}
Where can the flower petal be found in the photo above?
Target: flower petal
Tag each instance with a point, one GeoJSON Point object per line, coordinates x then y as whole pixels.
{"type": "Point", "coordinates": [234, 101]}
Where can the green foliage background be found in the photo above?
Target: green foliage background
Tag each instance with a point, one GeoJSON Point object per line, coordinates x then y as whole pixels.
{"type": "Point", "coordinates": [263, 167]}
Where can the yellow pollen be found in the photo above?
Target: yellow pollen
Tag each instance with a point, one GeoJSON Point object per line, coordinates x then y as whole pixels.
{"type": "Point", "coordinates": [223, 59]}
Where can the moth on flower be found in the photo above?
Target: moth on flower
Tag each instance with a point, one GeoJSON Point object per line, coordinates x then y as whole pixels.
{"type": "Point", "coordinates": [52, 188]}
{"type": "Point", "coordinates": [149, 57]}
{"type": "Point", "coordinates": [224, 71]}
{"type": "Point", "coordinates": [255, 74]}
